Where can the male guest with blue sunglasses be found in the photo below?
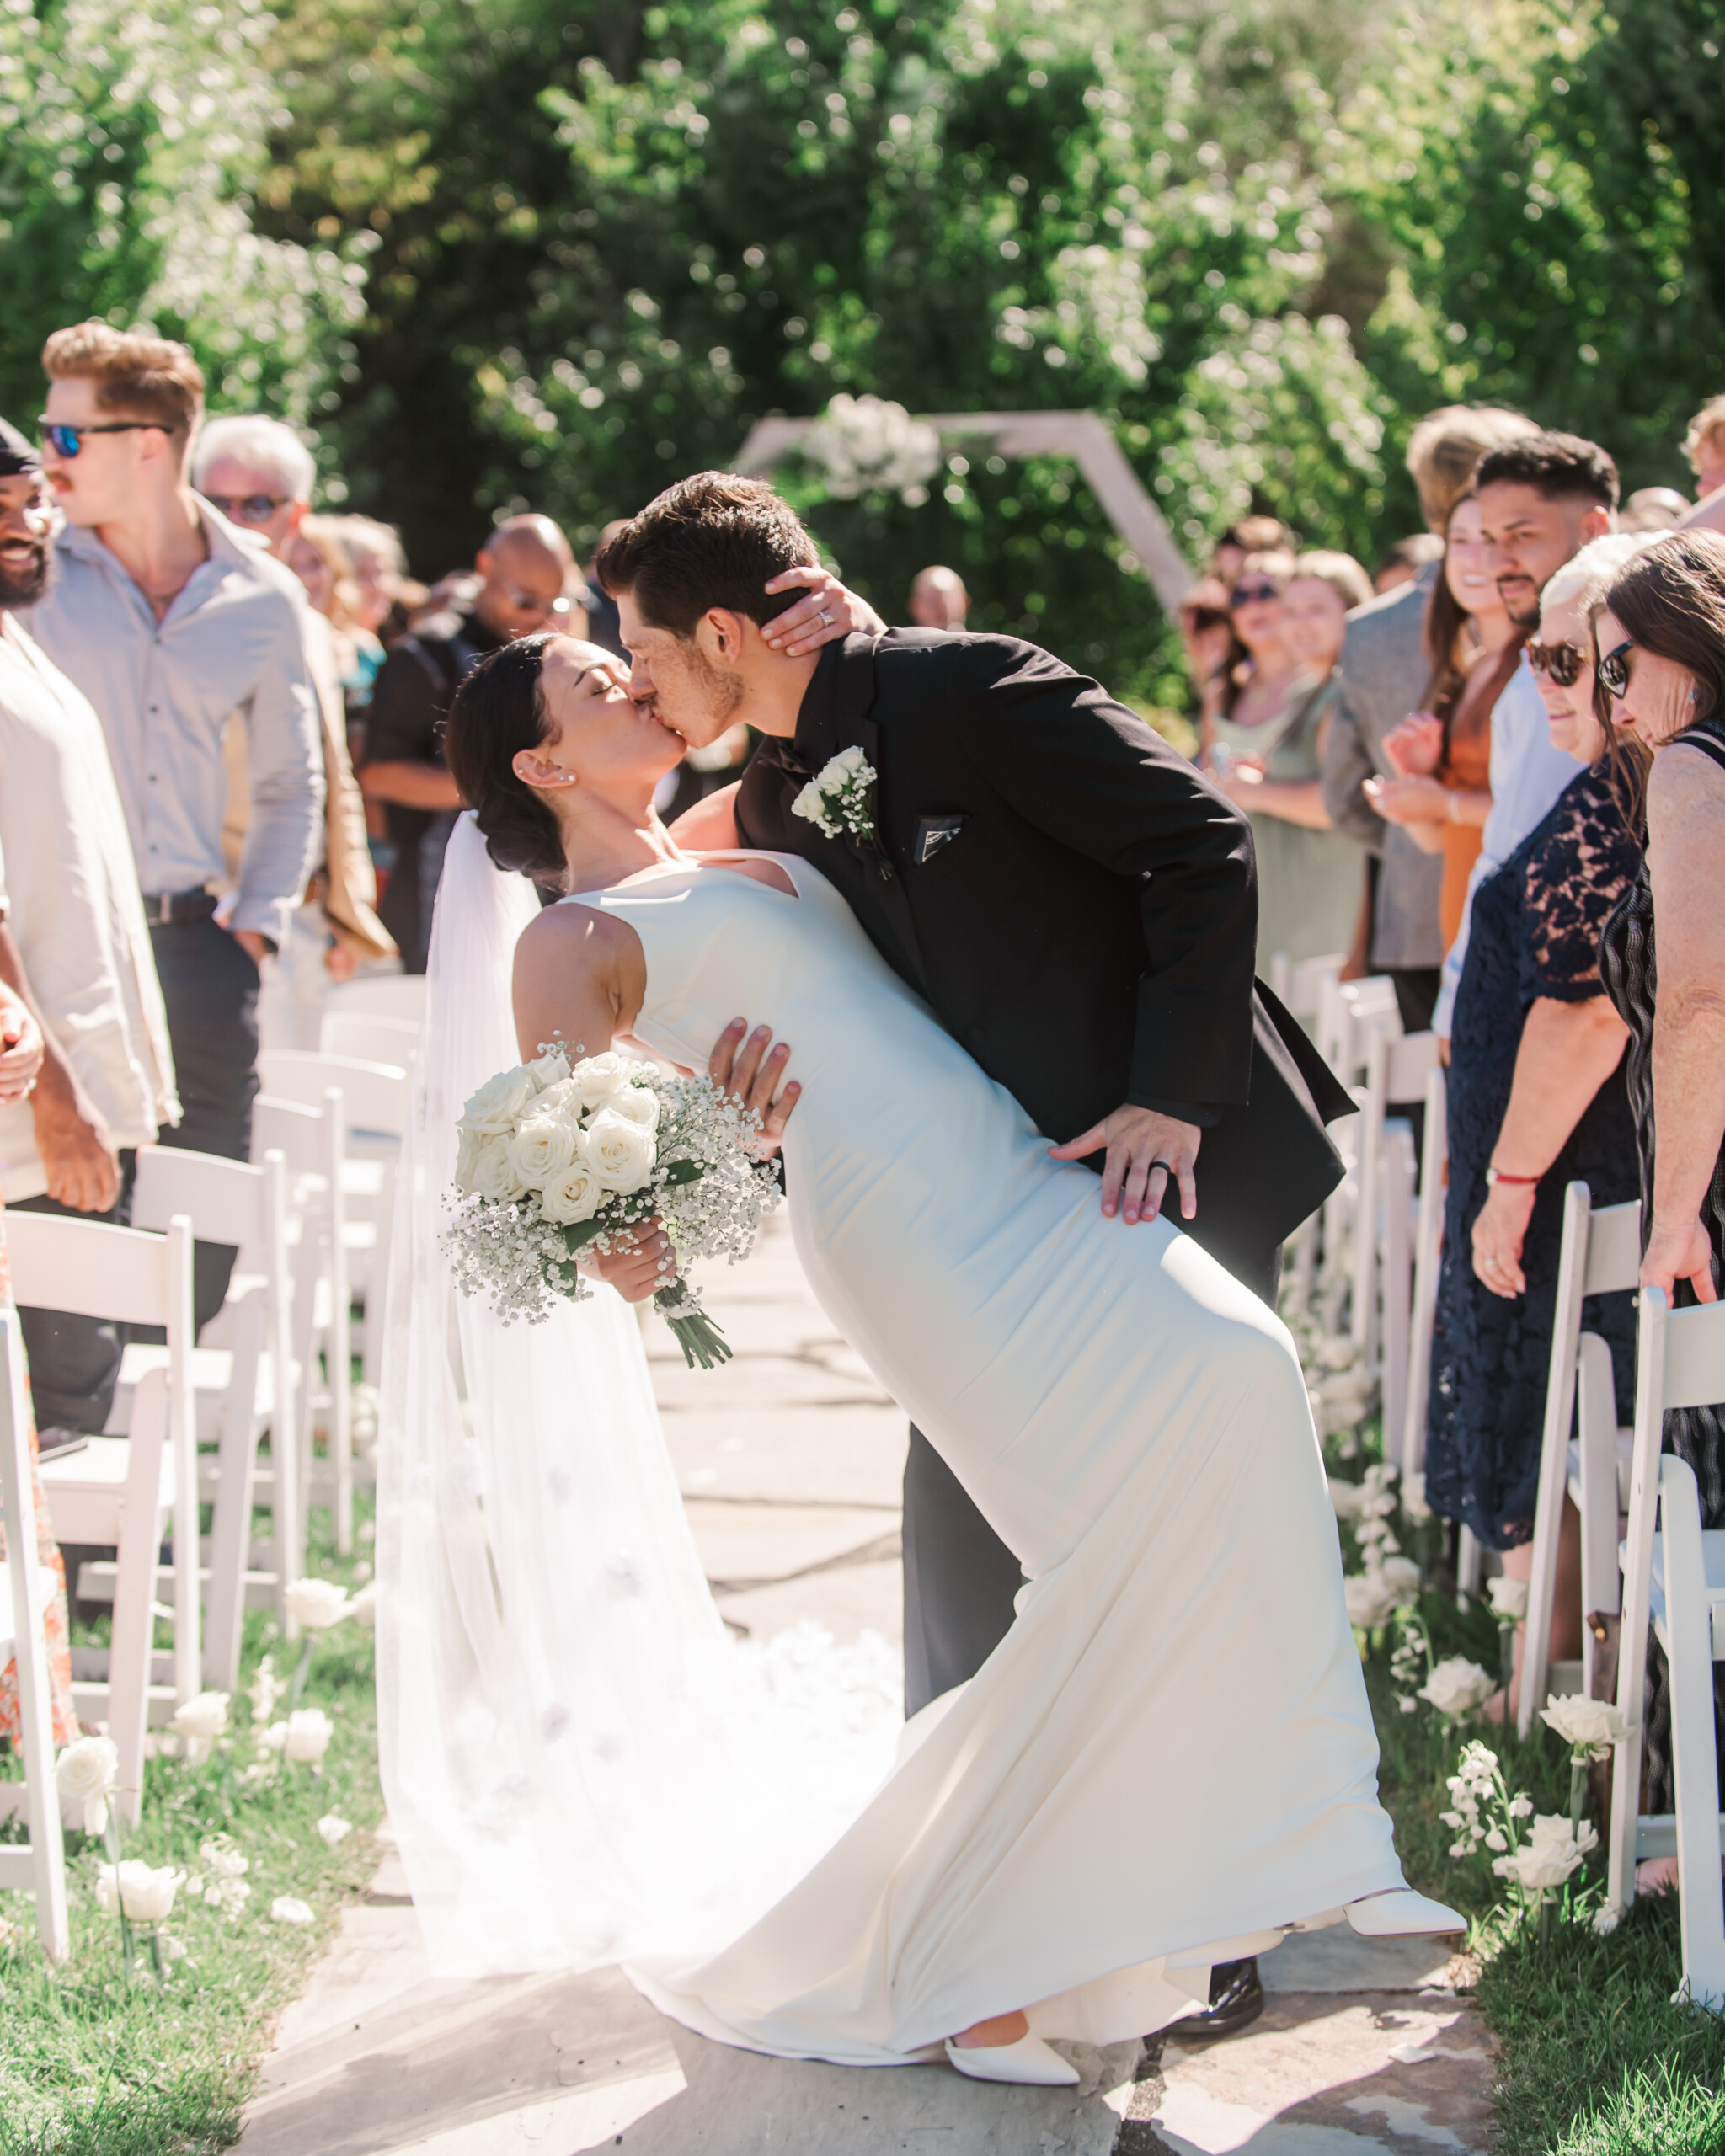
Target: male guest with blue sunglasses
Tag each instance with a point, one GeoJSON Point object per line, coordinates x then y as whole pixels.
{"type": "Point", "coordinates": [175, 624]}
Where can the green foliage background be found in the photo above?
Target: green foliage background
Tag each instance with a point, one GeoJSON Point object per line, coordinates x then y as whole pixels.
{"type": "Point", "coordinates": [503, 252]}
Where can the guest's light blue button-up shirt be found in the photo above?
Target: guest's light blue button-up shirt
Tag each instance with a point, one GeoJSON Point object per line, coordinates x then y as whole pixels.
{"type": "Point", "coordinates": [231, 645]}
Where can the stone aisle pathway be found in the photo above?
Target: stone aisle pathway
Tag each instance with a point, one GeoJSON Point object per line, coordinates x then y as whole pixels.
{"type": "Point", "coordinates": [789, 1459]}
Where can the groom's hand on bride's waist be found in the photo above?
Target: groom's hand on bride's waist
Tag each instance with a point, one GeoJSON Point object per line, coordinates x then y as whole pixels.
{"type": "Point", "coordinates": [750, 1070]}
{"type": "Point", "coordinates": [1145, 1152]}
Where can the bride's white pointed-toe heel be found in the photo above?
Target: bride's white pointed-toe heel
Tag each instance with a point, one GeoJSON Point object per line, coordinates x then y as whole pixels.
{"type": "Point", "coordinates": [1402, 1914]}
{"type": "Point", "coordinates": [1029, 2060]}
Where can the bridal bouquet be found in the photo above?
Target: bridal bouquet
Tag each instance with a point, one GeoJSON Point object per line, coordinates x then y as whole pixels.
{"type": "Point", "coordinates": [558, 1160]}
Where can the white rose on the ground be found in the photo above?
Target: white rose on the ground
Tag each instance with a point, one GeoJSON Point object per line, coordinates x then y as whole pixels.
{"type": "Point", "coordinates": [600, 1076]}
{"type": "Point", "coordinates": [307, 1736]}
{"type": "Point", "coordinates": [1369, 1599]}
{"type": "Point", "coordinates": [145, 1892]}
{"type": "Point", "coordinates": [1508, 1598]}
{"type": "Point", "coordinates": [363, 1608]}
{"type": "Point", "coordinates": [85, 1773]}
{"type": "Point", "coordinates": [288, 1908]}
{"type": "Point", "coordinates": [1402, 1576]}
{"type": "Point", "coordinates": [550, 1069]}
{"type": "Point", "coordinates": [1548, 1855]}
{"type": "Point", "coordinates": [636, 1104]}
{"type": "Point", "coordinates": [316, 1604]}
{"type": "Point", "coordinates": [1414, 1500]}
{"type": "Point", "coordinates": [498, 1105]}
{"type": "Point", "coordinates": [576, 1194]}
{"type": "Point", "coordinates": [1595, 1723]}
{"type": "Point", "coordinates": [619, 1153]}
{"type": "Point", "coordinates": [223, 1858]}
{"type": "Point", "coordinates": [542, 1148]}
{"type": "Point", "coordinates": [495, 1177]}
{"type": "Point", "coordinates": [1456, 1686]}
{"type": "Point", "coordinates": [332, 1827]}
{"type": "Point", "coordinates": [201, 1721]}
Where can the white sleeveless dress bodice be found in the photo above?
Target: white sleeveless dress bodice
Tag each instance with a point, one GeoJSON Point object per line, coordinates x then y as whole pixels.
{"type": "Point", "coordinates": [1170, 1758]}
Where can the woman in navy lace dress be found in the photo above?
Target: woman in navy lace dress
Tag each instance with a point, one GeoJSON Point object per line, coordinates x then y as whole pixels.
{"type": "Point", "coordinates": [1536, 1102]}
{"type": "Point", "coordinates": [1662, 635]}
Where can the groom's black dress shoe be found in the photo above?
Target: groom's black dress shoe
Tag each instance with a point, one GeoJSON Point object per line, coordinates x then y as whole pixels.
{"type": "Point", "coordinates": [1235, 2001]}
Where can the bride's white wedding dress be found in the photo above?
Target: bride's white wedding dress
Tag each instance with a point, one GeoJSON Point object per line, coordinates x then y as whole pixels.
{"type": "Point", "coordinates": [1169, 1759]}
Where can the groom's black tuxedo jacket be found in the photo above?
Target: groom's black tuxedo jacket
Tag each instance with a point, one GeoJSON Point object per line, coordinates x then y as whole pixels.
{"type": "Point", "coordinates": [1076, 902]}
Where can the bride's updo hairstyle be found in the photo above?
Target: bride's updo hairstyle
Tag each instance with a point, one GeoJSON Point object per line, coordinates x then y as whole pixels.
{"type": "Point", "coordinates": [497, 713]}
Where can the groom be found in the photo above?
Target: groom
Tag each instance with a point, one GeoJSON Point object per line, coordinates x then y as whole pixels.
{"type": "Point", "coordinates": [1075, 902]}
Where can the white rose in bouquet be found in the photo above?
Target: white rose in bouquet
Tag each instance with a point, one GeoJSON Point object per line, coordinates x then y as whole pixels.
{"type": "Point", "coordinates": [469, 1145]}
{"type": "Point", "coordinates": [316, 1604]}
{"type": "Point", "coordinates": [86, 1774]}
{"type": "Point", "coordinates": [636, 1104]}
{"type": "Point", "coordinates": [1369, 1599]}
{"type": "Point", "coordinates": [1456, 1686]}
{"type": "Point", "coordinates": [1508, 1598]}
{"type": "Point", "coordinates": [574, 1195]}
{"type": "Point", "coordinates": [552, 1069]}
{"type": "Point", "coordinates": [619, 1153]}
{"type": "Point", "coordinates": [1594, 1724]}
{"type": "Point", "coordinates": [495, 1177]}
{"type": "Point", "coordinates": [145, 1893]}
{"type": "Point", "coordinates": [810, 804]}
{"type": "Point", "coordinates": [306, 1736]}
{"type": "Point", "coordinates": [600, 1076]}
{"type": "Point", "coordinates": [500, 1103]}
{"type": "Point", "coordinates": [542, 1148]}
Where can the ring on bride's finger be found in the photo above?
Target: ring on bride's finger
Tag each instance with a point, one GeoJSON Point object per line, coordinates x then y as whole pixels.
{"type": "Point", "coordinates": [825, 618]}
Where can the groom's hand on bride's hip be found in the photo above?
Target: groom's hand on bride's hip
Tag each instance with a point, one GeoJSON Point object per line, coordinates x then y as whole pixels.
{"type": "Point", "coordinates": [634, 1268]}
{"type": "Point", "coordinates": [1145, 1152]}
{"type": "Point", "coordinates": [750, 1068]}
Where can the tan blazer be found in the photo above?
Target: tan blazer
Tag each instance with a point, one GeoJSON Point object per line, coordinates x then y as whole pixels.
{"type": "Point", "coordinates": [345, 885]}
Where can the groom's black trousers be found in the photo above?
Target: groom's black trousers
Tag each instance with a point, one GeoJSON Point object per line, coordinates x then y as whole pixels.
{"type": "Point", "coordinates": [960, 1578]}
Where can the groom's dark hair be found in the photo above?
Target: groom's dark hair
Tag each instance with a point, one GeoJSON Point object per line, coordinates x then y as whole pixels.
{"type": "Point", "coordinates": [715, 540]}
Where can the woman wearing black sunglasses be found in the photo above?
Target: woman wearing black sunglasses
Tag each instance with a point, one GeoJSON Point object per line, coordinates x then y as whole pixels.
{"type": "Point", "coordinates": [1662, 665]}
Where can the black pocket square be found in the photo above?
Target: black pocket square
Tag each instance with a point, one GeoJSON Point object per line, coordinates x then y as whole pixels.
{"type": "Point", "coordinates": [933, 833]}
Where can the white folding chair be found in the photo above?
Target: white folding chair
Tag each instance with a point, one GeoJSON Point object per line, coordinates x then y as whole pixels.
{"type": "Point", "coordinates": [1299, 984]}
{"type": "Point", "coordinates": [1428, 1258]}
{"type": "Point", "coordinates": [358, 1033]}
{"type": "Point", "coordinates": [1600, 1255]}
{"type": "Point", "coordinates": [375, 1098]}
{"type": "Point", "coordinates": [1398, 1068]}
{"type": "Point", "coordinates": [1674, 1580]}
{"type": "Point", "coordinates": [381, 995]}
{"type": "Point", "coordinates": [26, 1588]}
{"type": "Point", "coordinates": [126, 1491]}
{"type": "Point", "coordinates": [1351, 1015]}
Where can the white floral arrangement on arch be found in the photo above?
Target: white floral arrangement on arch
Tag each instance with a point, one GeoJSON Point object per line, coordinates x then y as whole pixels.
{"type": "Point", "coordinates": [869, 445]}
{"type": "Point", "coordinates": [559, 1159]}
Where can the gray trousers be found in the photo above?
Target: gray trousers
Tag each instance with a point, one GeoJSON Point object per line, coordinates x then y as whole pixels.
{"type": "Point", "coordinates": [960, 1578]}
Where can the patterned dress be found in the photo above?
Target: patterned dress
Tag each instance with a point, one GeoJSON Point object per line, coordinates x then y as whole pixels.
{"type": "Point", "coordinates": [1629, 969]}
{"type": "Point", "coordinates": [1536, 934]}
{"type": "Point", "coordinates": [48, 1555]}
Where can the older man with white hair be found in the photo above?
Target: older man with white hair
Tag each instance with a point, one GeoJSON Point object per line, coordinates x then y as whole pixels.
{"type": "Point", "coordinates": [259, 475]}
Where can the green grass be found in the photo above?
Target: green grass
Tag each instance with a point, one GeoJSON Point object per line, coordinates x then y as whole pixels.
{"type": "Point", "coordinates": [1594, 2060]}
{"type": "Point", "coordinates": [91, 2065]}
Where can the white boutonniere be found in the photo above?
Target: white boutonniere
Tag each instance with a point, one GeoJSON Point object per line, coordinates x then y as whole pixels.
{"type": "Point", "coordinates": [838, 800]}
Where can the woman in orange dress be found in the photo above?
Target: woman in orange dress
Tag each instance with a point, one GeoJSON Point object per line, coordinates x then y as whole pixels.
{"type": "Point", "coordinates": [1441, 755]}
{"type": "Point", "coordinates": [20, 1058]}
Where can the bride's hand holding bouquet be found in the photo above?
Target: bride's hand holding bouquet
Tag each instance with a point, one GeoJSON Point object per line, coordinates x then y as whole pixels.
{"type": "Point", "coordinates": [558, 1161]}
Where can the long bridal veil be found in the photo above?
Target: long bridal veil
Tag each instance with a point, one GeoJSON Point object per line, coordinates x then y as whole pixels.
{"type": "Point", "coordinates": [580, 1764]}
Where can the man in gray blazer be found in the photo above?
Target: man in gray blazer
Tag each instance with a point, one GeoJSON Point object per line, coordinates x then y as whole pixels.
{"type": "Point", "coordinates": [1384, 670]}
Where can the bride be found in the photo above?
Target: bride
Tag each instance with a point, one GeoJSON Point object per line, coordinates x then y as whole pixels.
{"type": "Point", "coordinates": [1170, 1760]}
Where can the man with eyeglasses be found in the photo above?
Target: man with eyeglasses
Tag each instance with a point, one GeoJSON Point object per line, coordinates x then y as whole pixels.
{"type": "Point", "coordinates": [528, 583]}
{"type": "Point", "coordinates": [176, 626]}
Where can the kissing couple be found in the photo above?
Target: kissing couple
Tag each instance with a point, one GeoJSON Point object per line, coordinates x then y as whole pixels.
{"type": "Point", "coordinates": [1006, 934]}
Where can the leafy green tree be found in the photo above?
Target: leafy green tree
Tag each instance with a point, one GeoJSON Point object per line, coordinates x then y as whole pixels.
{"type": "Point", "coordinates": [131, 135]}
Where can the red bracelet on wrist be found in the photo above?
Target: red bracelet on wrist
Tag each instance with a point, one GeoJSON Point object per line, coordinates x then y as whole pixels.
{"type": "Point", "coordinates": [1495, 1175]}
